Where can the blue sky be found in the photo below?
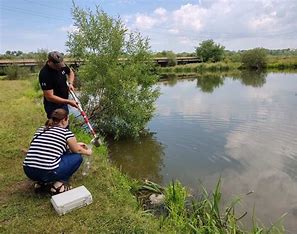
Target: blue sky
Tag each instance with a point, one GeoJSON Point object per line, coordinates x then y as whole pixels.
{"type": "Point", "coordinates": [29, 25]}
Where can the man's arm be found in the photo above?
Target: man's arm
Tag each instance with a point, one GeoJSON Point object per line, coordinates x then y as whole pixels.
{"type": "Point", "coordinates": [49, 95]}
{"type": "Point", "coordinates": [71, 80]}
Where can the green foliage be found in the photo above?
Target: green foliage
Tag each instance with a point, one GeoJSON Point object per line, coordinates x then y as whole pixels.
{"type": "Point", "coordinates": [206, 214]}
{"type": "Point", "coordinates": [118, 73]}
{"type": "Point", "coordinates": [171, 58]}
{"type": "Point", "coordinates": [176, 196]}
{"type": "Point", "coordinates": [282, 62]}
{"type": "Point", "coordinates": [175, 200]}
{"type": "Point", "coordinates": [232, 56]}
{"type": "Point", "coordinates": [15, 72]}
{"type": "Point", "coordinates": [13, 53]}
{"type": "Point", "coordinates": [210, 51]}
{"type": "Point", "coordinates": [254, 59]}
{"type": "Point", "coordinates": [41, 57]}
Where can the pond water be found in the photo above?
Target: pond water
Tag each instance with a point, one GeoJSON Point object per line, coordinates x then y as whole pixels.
{"type": "Point", "coordinates": [242, 129]}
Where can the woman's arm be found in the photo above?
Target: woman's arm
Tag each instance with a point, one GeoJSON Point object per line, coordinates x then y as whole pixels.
{"type": "Point", "coordinates": [78, 148]}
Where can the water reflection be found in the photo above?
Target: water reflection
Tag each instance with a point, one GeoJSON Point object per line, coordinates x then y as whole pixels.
{"type": "Point", "coordinates": [253, 78]}
{"type": "Point", "coordinates": [208, 82]}
{"type": "Point", "coordinates": [172, 79]}
{"type": "Point", "coordinates": [141, 159]}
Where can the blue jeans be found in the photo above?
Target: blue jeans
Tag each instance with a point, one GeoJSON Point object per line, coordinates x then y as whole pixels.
{"type": "Point", "coordinates": [68, 165]}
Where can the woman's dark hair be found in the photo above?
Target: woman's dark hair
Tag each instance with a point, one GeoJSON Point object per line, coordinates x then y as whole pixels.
{"type": "Point", "coordinates": [56, 117]}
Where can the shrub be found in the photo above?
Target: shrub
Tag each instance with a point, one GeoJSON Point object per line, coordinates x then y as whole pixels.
{"type": "Point", "coordinates": [254, 59]}
{"type": "Point", "coordinates": [209, 51]}
{"type": "Point", "coordinates": [171, 58]}
{"type": "Point", "coordinates": [41, 57]}
{"type": "Point", "coordinates": [15, 72]}
{"type": "Point", "coordinates": [119, 73]}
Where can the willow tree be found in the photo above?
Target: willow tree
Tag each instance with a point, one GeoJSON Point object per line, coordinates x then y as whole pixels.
{"type": "Point", "coordinates": [117, 77]}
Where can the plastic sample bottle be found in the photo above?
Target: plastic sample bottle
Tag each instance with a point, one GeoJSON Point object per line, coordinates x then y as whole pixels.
{"type": "Point", "coordinates": [87, 163]}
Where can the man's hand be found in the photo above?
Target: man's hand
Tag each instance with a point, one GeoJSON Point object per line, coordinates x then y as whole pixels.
{"type": "Point", "coordinates": [70, 87]}
{"type": "Point", "coordinates": [72, 103]}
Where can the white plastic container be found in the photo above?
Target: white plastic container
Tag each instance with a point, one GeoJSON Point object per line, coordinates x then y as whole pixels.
{"type": "Point", "coordinates": [72, 199]}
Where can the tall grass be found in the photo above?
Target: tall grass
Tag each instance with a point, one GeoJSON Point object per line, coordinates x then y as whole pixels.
{"type": "Point", "coordinates": [199, 68]}
{"type": "Point", "coordinates": [282, 62]}
{"type": "Point", "coordinates": [206, 215]}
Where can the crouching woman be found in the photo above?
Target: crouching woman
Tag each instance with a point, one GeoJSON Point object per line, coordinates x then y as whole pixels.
{"type": "Point", "coordinates": [48, 160]}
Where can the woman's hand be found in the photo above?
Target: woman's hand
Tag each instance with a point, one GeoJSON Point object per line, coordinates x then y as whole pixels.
{"type": "Point", "coordinates": [87, 151]}
{"type": "Point", "coordinates": [82, 145]}
{"type": "Point", "coordinates": [78, 147]}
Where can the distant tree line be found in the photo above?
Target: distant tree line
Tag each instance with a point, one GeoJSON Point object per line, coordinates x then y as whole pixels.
{"type": "Point", "coordinates": [12, 54]}
{"type": "Point", "coordinates": [207, 51]}
{"type": "Point", "coordinates": [228, 54]}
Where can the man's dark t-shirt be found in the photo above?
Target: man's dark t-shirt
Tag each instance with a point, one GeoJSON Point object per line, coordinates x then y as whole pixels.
{"type": "Point", "coordinates": [56, 80]}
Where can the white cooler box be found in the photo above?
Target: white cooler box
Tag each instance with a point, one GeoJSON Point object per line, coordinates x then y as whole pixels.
{"type": "Point", "coordinates": [72, 199]}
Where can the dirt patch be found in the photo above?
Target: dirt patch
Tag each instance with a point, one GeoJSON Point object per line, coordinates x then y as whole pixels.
{"type": "Point", "coordinates": [19, 187]}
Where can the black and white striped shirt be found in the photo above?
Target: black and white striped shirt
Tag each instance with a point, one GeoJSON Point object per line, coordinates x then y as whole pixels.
{"type": "Point", "coordinates": [47, 147]}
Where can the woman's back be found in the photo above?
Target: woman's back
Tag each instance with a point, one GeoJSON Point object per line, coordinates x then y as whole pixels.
{"type": "Point", "coordinates": [47, 147]}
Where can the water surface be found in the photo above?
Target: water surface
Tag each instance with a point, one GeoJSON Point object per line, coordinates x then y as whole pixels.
{"type": "Point", "coordinates": [243, 129]}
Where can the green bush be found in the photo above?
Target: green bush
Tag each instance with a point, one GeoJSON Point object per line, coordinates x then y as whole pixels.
{"type": "Point", "coordinates": [41, 57]}
{"type": "Point", "coordinates": [15, 72]}
{"type": "Point", "coordinates": [123, 93]}
{"type": "Point", "coordinates": [178, 69]}
{"type": "Point", "coordinates": [171, 58]}
{"type": "Point", "coordinates": [254, 59]}
{"type": "Point", "coordinates": [210, 51]}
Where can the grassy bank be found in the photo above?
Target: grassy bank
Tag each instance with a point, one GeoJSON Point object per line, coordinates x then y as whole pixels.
{"type": "Point", "coordinates": [282, 62]}
{"type": "Point", "coordinates": [200, 67]}
{"type": "Point", "coordinates": [273, 63]}
{"type": "Point", "coordinates": [114, 210]}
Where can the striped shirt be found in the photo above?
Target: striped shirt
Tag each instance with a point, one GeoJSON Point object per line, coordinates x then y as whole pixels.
{"type": "Point", "coordinates": [47, 147]}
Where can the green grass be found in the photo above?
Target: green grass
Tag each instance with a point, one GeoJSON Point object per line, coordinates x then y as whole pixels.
{"type": "Point", "coordinates": [206, 215]}
{"type": "Point", "coordinates": [114, 209]}
{"type": "Point", "coordinates": [282, 62]}
{"type": "Point", "coordinates": [200, 67]}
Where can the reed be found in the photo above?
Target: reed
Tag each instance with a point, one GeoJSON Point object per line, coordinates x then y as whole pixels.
{"type": "Point", "coordinates": [206, 215]}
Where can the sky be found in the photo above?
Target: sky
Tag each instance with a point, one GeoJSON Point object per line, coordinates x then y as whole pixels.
{"type": "Point", "coordinates": [31, 25]}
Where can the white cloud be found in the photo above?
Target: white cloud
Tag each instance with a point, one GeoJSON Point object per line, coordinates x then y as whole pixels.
{"type": "Point", "coordinates": [185, 40]}
{"type": "Point", "coordinates": [71, 28]}
{"type": "Point", "coordinates": [263, 22]}
{"type": "Point", "coordinates": [160, 12]}
{"type": "Point", "coordinates": [235, 24]}
{"type": "Point", "coordinates": [144, 21]}
{"type": "Point", "coordinates": [190, 16]}
{"type": "Point", "coordinates": [173, 31]}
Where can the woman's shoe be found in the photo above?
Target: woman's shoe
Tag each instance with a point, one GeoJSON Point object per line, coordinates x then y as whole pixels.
{"type": "Point", "coordinates": [59, 187]}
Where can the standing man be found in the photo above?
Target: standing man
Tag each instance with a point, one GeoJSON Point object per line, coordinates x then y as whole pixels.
{"type": "Point", "coordinates": [52, 78]}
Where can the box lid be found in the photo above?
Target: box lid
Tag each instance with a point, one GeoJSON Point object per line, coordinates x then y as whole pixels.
{"type": "Point", "coordinates": [70, 196]}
